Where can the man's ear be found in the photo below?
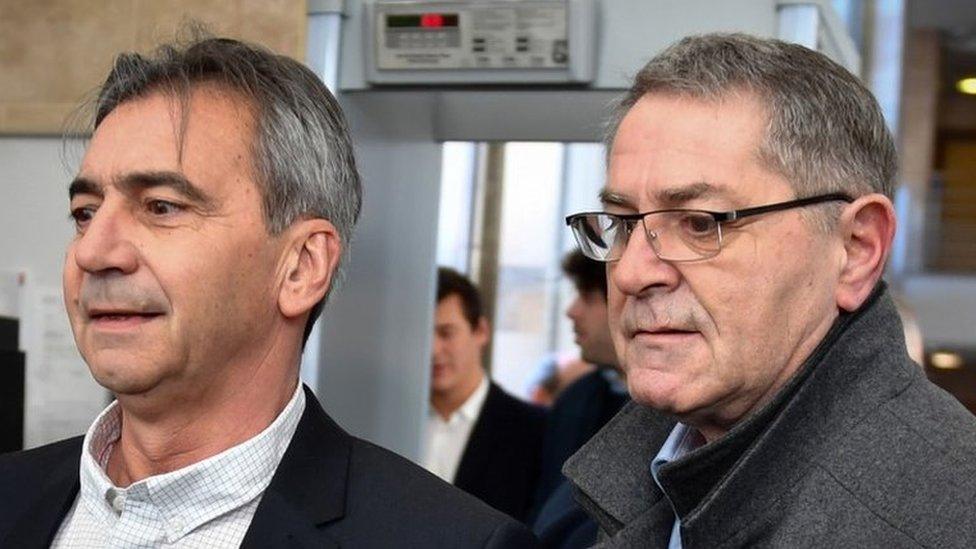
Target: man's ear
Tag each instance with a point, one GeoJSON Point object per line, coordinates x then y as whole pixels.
{"type": "Point", "coordinates": [314, 250]}
{"type": "Point", "coordinates": [483, 331]}
{"type": "Point", "coordinates": [867, 227]}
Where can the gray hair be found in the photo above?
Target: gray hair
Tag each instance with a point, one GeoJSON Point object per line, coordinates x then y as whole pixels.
{"type": "Point", "coordinates": [302, 154]}
{"type": "Point", "coordinates": [825, 131]}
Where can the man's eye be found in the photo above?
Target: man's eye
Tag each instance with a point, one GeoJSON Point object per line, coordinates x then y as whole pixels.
{"type": "Point", "coordinates": [698, 224]}
{"type": "Point", "coordinates": [162, 207]}
{"type": "Point", "coordinates": [82, 216]}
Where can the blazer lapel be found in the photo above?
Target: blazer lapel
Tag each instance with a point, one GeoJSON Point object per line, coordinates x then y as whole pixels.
{"type": "Point", "coordinates": [280, 524]}
{"type": "Point", "coordinates": [38, 524]}
{"type": "Point", "coordinates": [308, 489]}
{"type": "Point", "coordinates": [479, 451]}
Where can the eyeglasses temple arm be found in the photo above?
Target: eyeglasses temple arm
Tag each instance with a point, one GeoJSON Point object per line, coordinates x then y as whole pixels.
{"type": "Point", "coordinates": [747, 212]}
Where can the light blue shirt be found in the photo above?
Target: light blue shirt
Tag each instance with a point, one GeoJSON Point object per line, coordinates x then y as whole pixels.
{"type": "Point", "coordinates": [617, 384]}
{"type": "Point", "coordinates": [682, 440]}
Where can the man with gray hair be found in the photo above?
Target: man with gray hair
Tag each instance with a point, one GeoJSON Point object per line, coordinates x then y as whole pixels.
{"type": "Point", "coordinates": [747, 220]}
{"type": "Point", "coordinates": [213, 204]}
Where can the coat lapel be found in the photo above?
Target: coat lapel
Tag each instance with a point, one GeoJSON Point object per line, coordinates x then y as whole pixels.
{"type": "Point", "coordinates": [38, 524]}
{"type": "Point", "coordinates": [847, 379]}
{"type": "Point", "coordinates": [650, 530]}
{"type": "Point", "coordinates": [308, 489]}
{"type": "Point", "coordinates": [612, 472]}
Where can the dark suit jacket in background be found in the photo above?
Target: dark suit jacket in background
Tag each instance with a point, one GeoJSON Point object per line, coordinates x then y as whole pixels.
{"type": "Point", "coordinates": [330, 490]}
{"type": "Point", "coordinates": [500, 464]}
{"type": "Point", "coordinates": [579, 412]}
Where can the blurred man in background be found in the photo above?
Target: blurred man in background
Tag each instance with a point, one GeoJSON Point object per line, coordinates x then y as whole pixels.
{"type": "Point", "coordinates": [581, 410]}
{"type": "Point", "coordinates": [552, 375]}
{"type": "Point", "coordinates": [477, 436]}
{"type": "Point", "coordinates": [588, 403]}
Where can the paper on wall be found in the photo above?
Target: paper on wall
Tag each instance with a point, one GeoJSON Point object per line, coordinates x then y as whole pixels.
{"type": "Point", "coordinates": [61, 397]}
{"type": "Point", "coordinates": [11, 283]}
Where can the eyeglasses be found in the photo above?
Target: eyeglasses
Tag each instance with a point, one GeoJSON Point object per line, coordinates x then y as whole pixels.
{"type": "Point", "coordinates": [674, 234]}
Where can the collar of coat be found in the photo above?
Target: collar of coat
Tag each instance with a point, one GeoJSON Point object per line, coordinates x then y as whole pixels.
{"type": "Point", "coordinates": [753, 465]}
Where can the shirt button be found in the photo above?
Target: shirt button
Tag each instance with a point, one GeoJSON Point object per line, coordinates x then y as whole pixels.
{"type": "Point", "coordinates": [118, 502]}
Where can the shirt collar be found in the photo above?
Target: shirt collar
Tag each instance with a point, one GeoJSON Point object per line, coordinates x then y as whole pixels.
{"type": "Point", "coordinates": [683, 439]}
{"type": "Point", "coordinates": [613, 377]}
{"type": "Point", "coordinates": [472, 407]}
{"type": "Point", "coordinates": [196, 494]}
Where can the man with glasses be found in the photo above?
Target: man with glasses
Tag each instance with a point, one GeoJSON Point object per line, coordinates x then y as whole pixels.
{"type": "Point", "coordinates": [746, 224]}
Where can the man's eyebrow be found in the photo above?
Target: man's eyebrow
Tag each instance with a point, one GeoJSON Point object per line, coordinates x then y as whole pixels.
{"type": "Point", "coordinates": [679, 195]}
{"type": "Point", "coordinates": [83, 185]}
{"type": "Point", "coordinates": [670, 197]}
{"type": "Point", "coordinates": [137, 181]}
{"type": "Point", "coordinates": [611, 198]}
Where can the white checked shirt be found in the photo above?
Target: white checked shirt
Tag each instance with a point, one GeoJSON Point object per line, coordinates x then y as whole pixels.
{"type": "Point", "coordinates": [444, 441]}
{"type": "Point", "coordinates": [208, 504]}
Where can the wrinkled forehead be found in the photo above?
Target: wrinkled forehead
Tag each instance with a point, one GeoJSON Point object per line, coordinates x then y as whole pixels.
{"type": "Point", "coordinates": [186, 108]}
{"type": "Point", "coordinates": [670, 150]}
{"type": "Point", "coordinates": [207, 134]}
{"type": "Point", "coordinates": [737, 111]}
{"type": "Point", "coordinates": [734, 93]}
{"type": "Point", "coordinates": [138, 148]}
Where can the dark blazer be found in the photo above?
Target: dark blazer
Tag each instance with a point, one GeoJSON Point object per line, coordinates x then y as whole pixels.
{"type": "Point", "coordinates": [330, 490]}
{"type": "Point", "coordinates": [500, 464]}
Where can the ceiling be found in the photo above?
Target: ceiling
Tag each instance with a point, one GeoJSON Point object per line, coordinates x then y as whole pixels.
{"type": "Point", "coordinates": [957, 21]}
{"type": "Point", "coordinates": [954, 16]}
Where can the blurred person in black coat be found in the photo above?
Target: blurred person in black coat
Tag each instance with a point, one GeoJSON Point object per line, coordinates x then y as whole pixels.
{"type": "Point", "coordinates": [580, 410]}
{"type": "Point", "coordinates": [477, 436]}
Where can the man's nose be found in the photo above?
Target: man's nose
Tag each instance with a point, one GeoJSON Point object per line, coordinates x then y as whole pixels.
{"type": "Point", "coordinates": [573, 311]}
{"type": "Point", "coordinates": [639, 269]}
{"type": "Point", "coordinates": [106, 244]}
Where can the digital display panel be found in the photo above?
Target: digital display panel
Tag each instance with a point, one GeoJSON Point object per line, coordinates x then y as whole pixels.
{"type": "Point", "coordinates": [421, 20]}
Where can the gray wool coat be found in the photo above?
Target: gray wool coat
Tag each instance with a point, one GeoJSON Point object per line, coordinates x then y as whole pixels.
{"type": "Point", "coordinates": [858, 450]}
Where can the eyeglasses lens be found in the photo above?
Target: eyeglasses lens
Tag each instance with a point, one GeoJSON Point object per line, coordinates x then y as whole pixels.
{"type": "Point", "coordinates": [675, 236]}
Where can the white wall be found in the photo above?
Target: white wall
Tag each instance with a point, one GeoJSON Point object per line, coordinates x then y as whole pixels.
{"type": "Point", "coordinates": [34, 209]}
{"type": "Point", "coordinates": [61, 398]}
{"type": "Point", "coordinates": [946, 309]}
{"type": "Point", "coordinates": [377, 329]}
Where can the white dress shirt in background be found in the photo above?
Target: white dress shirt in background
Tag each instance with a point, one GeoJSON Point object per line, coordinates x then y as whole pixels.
{"type": "Point", "coordinates": [444, 441]}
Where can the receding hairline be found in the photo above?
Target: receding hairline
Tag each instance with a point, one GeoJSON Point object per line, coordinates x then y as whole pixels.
{"type": "Point", "coordinates": [182, 96]}
{"type": "Point", "coordinates": [742, 91]}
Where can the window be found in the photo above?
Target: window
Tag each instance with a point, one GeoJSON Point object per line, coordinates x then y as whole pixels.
{"type": "Point", "coordinates": [541, 183]}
